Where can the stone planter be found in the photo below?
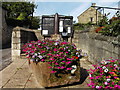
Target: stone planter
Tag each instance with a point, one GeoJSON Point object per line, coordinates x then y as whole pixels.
{"type": "Point", "coordinates": [47, 79]}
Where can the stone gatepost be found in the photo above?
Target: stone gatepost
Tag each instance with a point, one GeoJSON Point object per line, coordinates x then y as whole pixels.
{"type": "Point", "coordinates": [16, 40]}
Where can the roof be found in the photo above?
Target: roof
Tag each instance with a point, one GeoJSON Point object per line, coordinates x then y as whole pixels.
{"type": "Point", "coordinates": [86, 10]}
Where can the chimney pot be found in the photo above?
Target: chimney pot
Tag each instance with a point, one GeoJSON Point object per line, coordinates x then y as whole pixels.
{"type": "Point", "coordinates": [93, 4]}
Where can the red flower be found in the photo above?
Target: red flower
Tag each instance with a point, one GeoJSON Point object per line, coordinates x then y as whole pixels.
{"type": "Point", "coordinates": [76, 57]}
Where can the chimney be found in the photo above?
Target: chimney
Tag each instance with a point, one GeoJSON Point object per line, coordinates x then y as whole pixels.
{"type": "Point", "coordinates": [93, 4]}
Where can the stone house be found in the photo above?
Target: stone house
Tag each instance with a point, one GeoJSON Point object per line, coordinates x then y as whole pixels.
{"type": "Point", "coordinates": [90, 15]}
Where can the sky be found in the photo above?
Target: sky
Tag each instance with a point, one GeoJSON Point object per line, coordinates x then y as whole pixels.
{"type": "Point", "coordinates": [71, 7]}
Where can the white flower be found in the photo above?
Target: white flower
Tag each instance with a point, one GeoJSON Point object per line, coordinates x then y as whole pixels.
{"type": "Point", "coordinates": [56, 43]}
{"type": "Point", "coordinates": [39, 43]}
{"type": "Point", "coordinates": [106, 83]}
{"type": "Point", "coordinates": [97, 86]}
{"type": "Point", "coordinates": [35, 54]}
{"type": "Point", "coordinates": [31, 59]}
{"type": "Point", "coordinates": [30, 45]}
{"type": "Point", "coordinates": [79, 55]}
{"type": "Point", "coordinates": [36, 60]}
{"type": "Point", "coordinates": [68, 50]}
{"type": "Point", "coordinates": [74, 69]}
{"type": "Point", "coordinates": [104, 67]}
{"type": "Point", "coordinates": [76, 53]}
{"type": "Point", "coordinates": [106, 70]}
{"type": "Point", "coordinates": [115, 65]}
{"type": "Point", "coordinates": [90, 75]}
{"type": "Point", "coordinates": [40, 56]}
{"type": "Point", "coordinates": [38, 53]}
{"type": "Point", "coordinates": [105, 62]}
{"type": "Point", "coordinates": [108, 80]}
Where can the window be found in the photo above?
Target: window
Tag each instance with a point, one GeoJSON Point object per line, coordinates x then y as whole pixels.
{"type": "Point", "coordinates": [91, 19]}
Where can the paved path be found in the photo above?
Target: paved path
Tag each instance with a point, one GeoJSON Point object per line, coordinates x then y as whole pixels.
{"type": "Point", "coordinates": [5, 59]}
{"type": "Point", "coordinates": [18, 75]}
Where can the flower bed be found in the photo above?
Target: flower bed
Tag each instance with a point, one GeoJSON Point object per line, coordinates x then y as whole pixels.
{"type": "Point", "coordinates": [60, 58]}
{"type": "Point", "coordinates": [106, 75]}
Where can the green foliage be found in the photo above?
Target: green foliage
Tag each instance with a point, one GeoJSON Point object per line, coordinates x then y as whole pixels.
{"type": "Point", "coordinates": [103, 21]}
{"type": "Point", "coordinates": [79, 26]}
{"type": "Point", "coordinates": [20, 14]}
{"type": "Point", "coordinates": [35, 23]}
{"type": "Point", "coordinates": [113, 29]}
{"type": "Point", "coordinates": [14, 9]}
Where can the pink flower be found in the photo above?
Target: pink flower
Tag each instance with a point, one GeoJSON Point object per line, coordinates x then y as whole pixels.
{"type": "Point", "coordinates": [56, 64]}
{"type": "Point", "coordinates": [91, 77]}
{"type": "Point", "coordinates": [111, 72]}
{"type": "Point", "coordinates": [63, 61]}
{"type": "Point", "coordinates": [49, 62]}
{"type": "Point", "coordinates": [54, 49]}
{"type": "Point", "coordinates": [68, 68]}
{"type": "Point", "coordinates": [97, 77]}
{"type": "Point", "coordinates": [107, 87]}
{"type": "Point", "coordinates": [50, 67]}
{"type": "Point", "coordinates": [112, 83]}
{"type": "Point", "coordinates": [116, 86]}
{"type": "Point", "coordinates": [62, 67]}
{"type": "Point", "coordinates": [57, 55]}
{"type": "Point", "coordinates": [32, 51]}
{"type": "Point", "coordinates": [49, 54]}
{"type": "Point", "coordinates": [68, 62]}
{"type": "Point", "coordinates": [115, 77]}
{"type": "Point", "coordinates": [101, 74]}
{"type": "Point", "coordinates": [42, 60]}
{"type": "Point", "coordinates": [58, 67]}
{"type": "Point", "coordinates": [61, 52]}
{"type": "Point", "coordinates": [52, 59]}
{"type": "Point", "coordinates": [64, 43]}
{"type": "Point", "coordinates": [43, 51]}
{"type": "Point", "coordinates": [53, 71]}
{"type": "Point", "coordinates": [66, 52]}
{"type": "Point", "coordinates": [27, 56]}
{"type": "Point", "coordinates": [93, 86]}
{"type": "Point", "coordinates": [69, 58]}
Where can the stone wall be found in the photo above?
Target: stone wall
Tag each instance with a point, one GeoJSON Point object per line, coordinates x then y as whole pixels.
{"type": "Point", "coordinates": [20, 36]}
{"type": "Point", "coordinates": [98, 47]}
{"type": "Point", "coordinates": [5, 30]}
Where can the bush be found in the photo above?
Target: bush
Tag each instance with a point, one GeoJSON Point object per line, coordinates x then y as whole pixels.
{"type": "Point", "coordinates": [113, 29]}
{"type": "Point", "coordinates": [60, 55]}
{"type": "Point", "coordinates": [106, 75]}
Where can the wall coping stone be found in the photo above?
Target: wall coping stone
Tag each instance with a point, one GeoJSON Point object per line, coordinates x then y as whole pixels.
{"type": "Point", "coordinates": [22, 29]}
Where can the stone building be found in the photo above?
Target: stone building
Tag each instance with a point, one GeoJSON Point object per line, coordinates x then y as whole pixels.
{"type": "Point", "coordinates": [90, 15]}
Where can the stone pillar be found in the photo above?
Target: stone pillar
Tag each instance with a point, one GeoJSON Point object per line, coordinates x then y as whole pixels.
{"type": "Point", "coordinates": [16, 40]}
{"type": "Point", "coordinates": [56, 23]}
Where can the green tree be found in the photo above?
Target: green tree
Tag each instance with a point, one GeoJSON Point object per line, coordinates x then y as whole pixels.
{"type": "Point", "coordinates": [35, 22]}
{"type": "Point", "coordinates": [14, 9]}
{"type": "Point", "coordinates": [18, 13]}
{"type": "Point", "coordinates": [104, 21]}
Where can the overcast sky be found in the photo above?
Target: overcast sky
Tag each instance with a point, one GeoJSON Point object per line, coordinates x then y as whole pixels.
{"type": "Point", "coordinates": [71, 7]}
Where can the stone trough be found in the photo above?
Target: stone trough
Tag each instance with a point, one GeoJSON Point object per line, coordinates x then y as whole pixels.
{"type": "Point", "coordinates": [47, 79]}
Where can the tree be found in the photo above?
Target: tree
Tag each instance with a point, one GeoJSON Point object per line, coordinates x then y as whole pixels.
{"type": "Point", "coordinates": [14, 9]}
{"type": "Point", "coordinates": [19, 12]}
{"type": "Point", "coordinates": [104, 21]}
